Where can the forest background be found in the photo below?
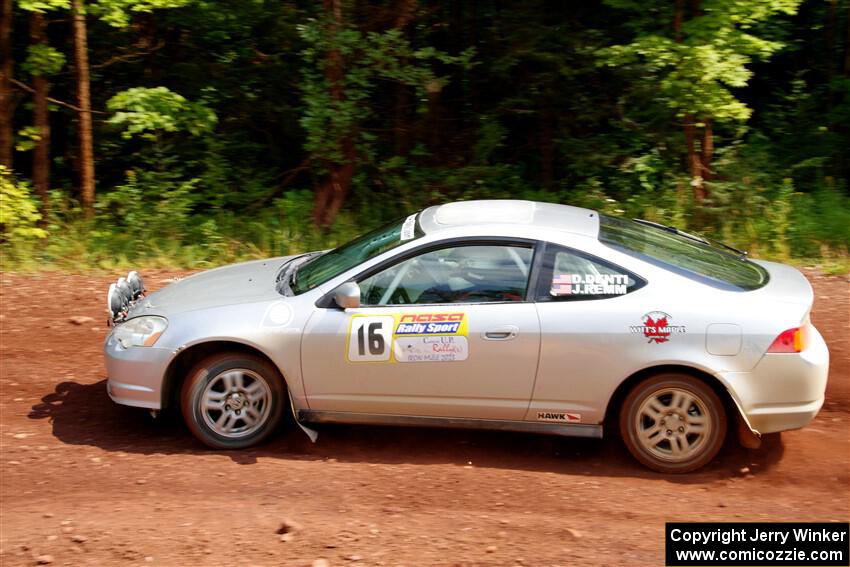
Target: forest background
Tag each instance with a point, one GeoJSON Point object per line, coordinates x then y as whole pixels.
{"type": "Point", "coordinates": [191, 133]}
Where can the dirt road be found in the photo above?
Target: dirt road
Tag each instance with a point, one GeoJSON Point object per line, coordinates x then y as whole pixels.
{"type": "Point", "coordinates": [87, 482]}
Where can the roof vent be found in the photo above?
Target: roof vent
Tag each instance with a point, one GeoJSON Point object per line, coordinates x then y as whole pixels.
{"type": "Point", "coordinates": [477, 212]}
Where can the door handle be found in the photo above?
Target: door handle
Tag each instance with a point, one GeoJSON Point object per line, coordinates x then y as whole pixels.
{"type": "Point", "coordinates": [504, 333]}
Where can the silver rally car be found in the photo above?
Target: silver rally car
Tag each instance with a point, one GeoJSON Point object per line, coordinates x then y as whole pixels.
{"type": "Point", "coordinates": [509, 315]}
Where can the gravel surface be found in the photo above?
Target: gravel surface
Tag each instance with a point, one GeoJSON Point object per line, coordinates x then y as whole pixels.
{"type": "Point", "coordinates": [88, 482]}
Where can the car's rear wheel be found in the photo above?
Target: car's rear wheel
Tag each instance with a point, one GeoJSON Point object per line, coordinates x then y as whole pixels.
{"type": "Point", "coordinates": [673, 423]}
{"type": "Point", "coordinates": [233, 401]}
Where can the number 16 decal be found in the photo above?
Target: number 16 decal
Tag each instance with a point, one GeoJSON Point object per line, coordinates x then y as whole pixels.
{"type": "Point", "coordinates": [370, 338]}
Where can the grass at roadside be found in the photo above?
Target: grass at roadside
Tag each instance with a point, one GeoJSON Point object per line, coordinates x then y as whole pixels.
{"type": "Point", "coordinates": [786, 226]}
{"type": "Point", "coordinates": [193, 257]}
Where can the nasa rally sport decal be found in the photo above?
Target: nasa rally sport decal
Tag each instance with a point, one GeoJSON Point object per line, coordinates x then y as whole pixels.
{"type": "Point", "coordinates": [409, 337]}
{"type": "Point", "coordinates": [657, 328]}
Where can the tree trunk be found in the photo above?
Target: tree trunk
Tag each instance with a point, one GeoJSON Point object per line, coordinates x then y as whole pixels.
{"type": "Point", "coordinates": [707, 152]}
{"type": "Point", "coordinates": [678, 14]}
{"type": "Point", "coordinates": [696, 8]}
{"type": "Point", "coordinates": [405, 12]}
{"type": "Point", "coordinates": [547, 150]}
{"type": "Point", "coordinates": [400, 120]}
{"type": "Point", "coordinates": [41, 121]}
{"type": "Point", "coordinates": [432, 120]}
{"type": "Point", "coordinates": [331, 194]}
{"type": "Point", "coordinates": [7, 108]}
{"type": "Point", "coordinates": [847, 46]}
{"type": "Point", "coordinates": [695, 162]}
{"type": "Point", "coordinates": [829, 38]}
{"type": "Point", "coordinates": [81, 62]}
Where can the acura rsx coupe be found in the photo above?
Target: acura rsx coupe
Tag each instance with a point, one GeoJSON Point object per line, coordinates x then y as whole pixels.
{"type": "Point", "coordinates": [509, 315]}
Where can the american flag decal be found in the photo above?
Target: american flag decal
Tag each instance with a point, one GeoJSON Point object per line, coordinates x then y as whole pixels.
{"type": "Point", "coordinates": [562, 284]}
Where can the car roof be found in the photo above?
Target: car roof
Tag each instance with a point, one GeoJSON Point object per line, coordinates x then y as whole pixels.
{"type": "Point", "coordinates": [511, 213]}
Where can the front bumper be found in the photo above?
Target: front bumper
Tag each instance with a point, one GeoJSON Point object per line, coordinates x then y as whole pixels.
{"type": "Point", "coordinates": [135, 374]}
{"type": "Point", "coordinates": [783, 391]}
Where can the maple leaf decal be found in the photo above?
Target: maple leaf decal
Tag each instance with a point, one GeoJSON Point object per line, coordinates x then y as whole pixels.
{"type": "Point", "coordinates": [653, 329]}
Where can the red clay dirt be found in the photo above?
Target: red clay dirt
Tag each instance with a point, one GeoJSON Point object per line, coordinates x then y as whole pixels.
{"type": "Point", "coordinates": [88, 482]}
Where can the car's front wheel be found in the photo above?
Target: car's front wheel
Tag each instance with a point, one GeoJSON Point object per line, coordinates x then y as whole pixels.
{"type": "Point", "coordinates": [673, 423]}
{"type": "Point", "coordinates": [233, 401]}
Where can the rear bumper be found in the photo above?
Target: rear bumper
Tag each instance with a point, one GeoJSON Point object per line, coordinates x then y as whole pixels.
{"type": "Point", "coordinates": [135, 374]}
{"type": "Point", "coordinates": [783, 391]}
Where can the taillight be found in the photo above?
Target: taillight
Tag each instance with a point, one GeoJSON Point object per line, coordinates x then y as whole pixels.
{"type": "Point", "coordinates": [792, 340]}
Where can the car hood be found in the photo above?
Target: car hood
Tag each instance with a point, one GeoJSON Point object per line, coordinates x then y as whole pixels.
{"type": "Point", "coordinates": [228, 285]}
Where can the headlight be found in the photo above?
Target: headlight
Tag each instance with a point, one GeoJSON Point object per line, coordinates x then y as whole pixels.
{"type": "Point", "coordinates": [140, 331]}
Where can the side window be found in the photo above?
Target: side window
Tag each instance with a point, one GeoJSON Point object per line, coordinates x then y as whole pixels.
{"type": "Point", "coordinates": [460, 274]}
{"type": "Point", "coordinates": [570, 276]}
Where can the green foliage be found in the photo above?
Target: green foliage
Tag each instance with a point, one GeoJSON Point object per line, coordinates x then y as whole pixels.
{"type": "Point", "coordinates": [366, 59]}
{"type": "Point", "coordinates": [19, 214]}
{"type": "Point", "coordinates": [820, 222]}
{"type": "Point", "coordinates": [695, 73]}
{"type": "Point", "coordinates": [117, 13]}
{"type": "Point", "coordinates": [43, 60]}
{"type": "Point", "coordinates": [148, 112]}
{"type": "Point", "coordinates": [148, 205]}
{"type": "Point", "coordinates": [28, 138]}
{"type": "Point", "coordinates": [43, 5]}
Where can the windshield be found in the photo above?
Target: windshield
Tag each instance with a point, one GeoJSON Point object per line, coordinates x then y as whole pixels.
{"type": "Point", "coordinates": [688, 256]}
{"type": "Point", "coordinates": [327, 266]}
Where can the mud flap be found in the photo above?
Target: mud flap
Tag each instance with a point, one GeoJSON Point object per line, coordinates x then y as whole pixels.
{"type": "Point", "coordinates": [748, 437]}
{"type": "Point", "coordinates": [311, 433]}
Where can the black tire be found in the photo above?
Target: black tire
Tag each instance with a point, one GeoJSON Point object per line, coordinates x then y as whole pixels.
{"type": "Point", "coordinates": [253, 403]}
{"type": "Point", "coordinates": [679, 435]}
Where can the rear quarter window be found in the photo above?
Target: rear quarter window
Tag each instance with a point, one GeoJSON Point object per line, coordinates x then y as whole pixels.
{"type": "Point", "coordinates": [570, 275]}
{"type": "Point", "coordinates": [685, 256]}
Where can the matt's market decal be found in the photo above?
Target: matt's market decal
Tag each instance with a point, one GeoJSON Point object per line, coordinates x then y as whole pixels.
{"type": "Point", "coordinates": [589, 284]}
{"type": "Point", "coordinates": [657, 328]}
{"type": "Point", "coordinates": [412, 337]}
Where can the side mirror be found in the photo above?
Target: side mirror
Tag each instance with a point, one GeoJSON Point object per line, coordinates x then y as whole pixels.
{"type": "Point", "coordinates": [347, 296]}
